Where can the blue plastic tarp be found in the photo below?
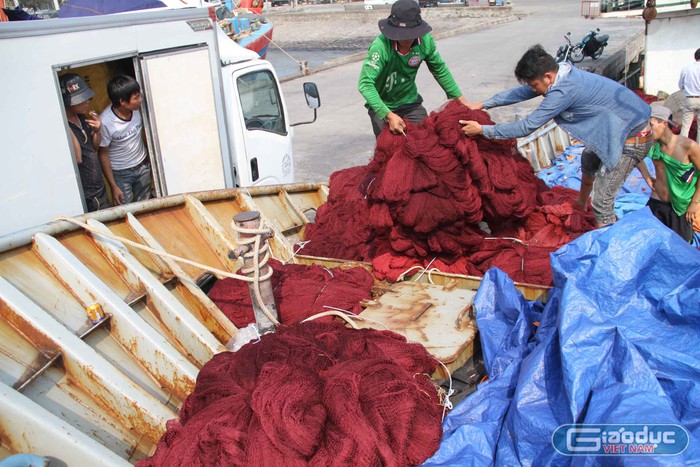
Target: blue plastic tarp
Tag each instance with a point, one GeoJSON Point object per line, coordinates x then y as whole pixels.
{"type": "Point", "coordinates": [618, 342]}
{"type": "Point", "coordinates": [566, 171]}
{"type": "Point", "coordinates": [77, 8]}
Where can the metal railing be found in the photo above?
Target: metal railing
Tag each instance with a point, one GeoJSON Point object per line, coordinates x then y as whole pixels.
{"type": "Point", "coordinates": [544, 145]}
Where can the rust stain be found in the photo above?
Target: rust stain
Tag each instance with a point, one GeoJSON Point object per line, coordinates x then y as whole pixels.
{"type": "Point", "coordinates": [450, 285]}
{"type": "Point", "coordinates": [422, 309]}
{"type": "Point", "coordinates": [465, 316]}
{"type": "Point", "coordinates": [131, 416]}
{"type": "Point", "coordinates": [84, 247]}
{"type": "Point", "coordinates": [25, 328]}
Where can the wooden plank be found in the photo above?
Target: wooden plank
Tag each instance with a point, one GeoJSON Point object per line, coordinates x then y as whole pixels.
{"type": "Point", "coordinates": [427, 314]}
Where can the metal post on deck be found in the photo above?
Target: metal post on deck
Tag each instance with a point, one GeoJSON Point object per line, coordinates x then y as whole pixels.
{"type": "Point", "coordinates": [251, 220]}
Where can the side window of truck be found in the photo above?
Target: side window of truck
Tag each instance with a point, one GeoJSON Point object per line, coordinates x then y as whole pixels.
{"type": "Point", "coordinates": [260, 101]}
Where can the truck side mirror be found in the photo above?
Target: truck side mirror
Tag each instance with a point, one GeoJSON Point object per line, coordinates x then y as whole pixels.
{"type": "Point", "coordinates": [313, 100]}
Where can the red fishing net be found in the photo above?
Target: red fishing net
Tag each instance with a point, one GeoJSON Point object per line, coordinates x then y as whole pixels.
{"type": "Point", "coordinates": [422, 198]}
{"type": "Point", "coordinates": [300, 291]}
{"type": "Point", "coordinates": [309, 394]}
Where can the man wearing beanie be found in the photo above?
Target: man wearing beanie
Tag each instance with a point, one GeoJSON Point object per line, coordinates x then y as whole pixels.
{"type": "Point", "coordinates": [388, 76]}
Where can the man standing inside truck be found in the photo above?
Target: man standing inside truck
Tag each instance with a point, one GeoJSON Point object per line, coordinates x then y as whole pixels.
{"type": "Point", "coordinates": [86, 133]}
{"type": "Point", "coordinates": [388, 76]}
{"type": "Point", "coordinates": [122, 152]}
{"type": "Point", "coordinates": [610, 119]}
{"type": "Point", "coordinates": [675, 199]}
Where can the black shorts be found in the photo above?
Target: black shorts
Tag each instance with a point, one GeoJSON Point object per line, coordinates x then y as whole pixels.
{"type": "Point", "coordinates": [414, 113]}
{"type": "Point", "coordinates": [665, 213]}
{"type": "Point", "coordinates": [590, 162]}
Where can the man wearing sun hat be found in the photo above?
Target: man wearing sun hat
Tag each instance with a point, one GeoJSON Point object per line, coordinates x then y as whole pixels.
{"type": "Point", "coordinates": [388, 76]}
{"type": "Point", "coordinates": [86, 133]}
{"type": "Point", "coordinates": [675, 198]}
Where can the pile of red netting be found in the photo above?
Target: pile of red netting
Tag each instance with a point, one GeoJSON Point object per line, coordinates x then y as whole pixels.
{"type": "Point", "coordinates": [300, 291]}
{"type": "Point", "coordinates": [422, 197]}
{"type": "Point", "coordinates": [310, 394]}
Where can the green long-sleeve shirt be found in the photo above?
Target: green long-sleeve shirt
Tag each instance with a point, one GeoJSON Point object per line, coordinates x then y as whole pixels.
{"type": "Point", "coordinates": [388, 79]}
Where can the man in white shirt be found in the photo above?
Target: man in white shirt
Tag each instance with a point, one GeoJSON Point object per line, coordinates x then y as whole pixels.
{"type": "Point", "coordinates": [690, 85]}
{"type": "Point", "coordinates": [122, 153]}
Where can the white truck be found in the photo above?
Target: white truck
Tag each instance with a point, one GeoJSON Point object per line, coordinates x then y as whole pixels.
{"type": "Point", "coordinates": [214, 114]}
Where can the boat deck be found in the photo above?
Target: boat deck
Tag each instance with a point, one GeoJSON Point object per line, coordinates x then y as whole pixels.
{"type": "Point", "coordinates": [101, 393]}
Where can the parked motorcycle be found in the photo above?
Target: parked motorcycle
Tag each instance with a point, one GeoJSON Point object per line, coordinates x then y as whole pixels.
{"type": "Point", "coordinates": [564, 52]}
{"type": "Point", "coordinates": [591, 46]}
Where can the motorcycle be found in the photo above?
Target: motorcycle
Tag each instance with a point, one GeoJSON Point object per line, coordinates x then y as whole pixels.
{"type": "Point", "coordinates": [564, 52]}
{"type": "Point", "coordinates": [591, 46]}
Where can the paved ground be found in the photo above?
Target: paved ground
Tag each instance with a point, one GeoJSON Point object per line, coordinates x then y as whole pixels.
{"type": "Point", "coordinates": [356, 28]}
{"type": "Point", "coordinates": [481, 61]}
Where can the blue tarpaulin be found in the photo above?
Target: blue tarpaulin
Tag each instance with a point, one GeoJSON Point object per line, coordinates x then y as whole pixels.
{"type": "Point", "coordinates": [566, 171]}
{"type": "Point", "coordinates": [76, 8]}
{"type": "Point", "coordinates": [618, 342]}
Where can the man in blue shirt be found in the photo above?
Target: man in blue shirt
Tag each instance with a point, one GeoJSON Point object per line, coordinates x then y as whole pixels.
{"type": "Point", "coordinates": [606, 116]}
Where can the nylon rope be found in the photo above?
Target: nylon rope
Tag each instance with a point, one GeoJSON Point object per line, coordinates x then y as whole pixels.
{"type": "Point", "coordinates": [255, 254]}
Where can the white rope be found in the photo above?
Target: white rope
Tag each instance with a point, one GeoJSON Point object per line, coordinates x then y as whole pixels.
{"type": "Point", "coordinates": [255, 253]}
{"type": "Point", "coordinates": [506, 238]}
{"type": "Point", "coordinates": [447, 404]}
{"type": "Point", "coordinates": [356, 316]}
{"type": "Point", "coordinates": [332, 313]}
{"type": "Point", "coordinates": [257, 263]}
{"type": "Point", "coordinates": [294, 252]}
{"type": "Point", "coordinates": [298, 62]}
{"type": "Point", "coordinates": [426, 268]}
{"type": "Point", "coordinates": [403, 274]}
{"type": "Point", "coordinates": [423, 270]}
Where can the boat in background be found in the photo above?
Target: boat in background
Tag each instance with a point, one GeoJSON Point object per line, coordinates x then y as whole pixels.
{"type": "Point", "coordinates": [244, 23]}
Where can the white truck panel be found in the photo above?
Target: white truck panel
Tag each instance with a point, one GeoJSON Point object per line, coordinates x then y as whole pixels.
{"type": "Point", "coordinates": [185, 117]}
{"type": "Point", "coordinates": [194, 117]}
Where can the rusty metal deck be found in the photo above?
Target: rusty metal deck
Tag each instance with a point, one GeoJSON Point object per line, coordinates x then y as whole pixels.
{"type": "Point", "coordinates": [101, 394]}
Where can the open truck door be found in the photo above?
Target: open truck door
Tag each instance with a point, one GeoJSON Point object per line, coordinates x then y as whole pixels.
{"type": "Point", "coordinates": [183, 115]}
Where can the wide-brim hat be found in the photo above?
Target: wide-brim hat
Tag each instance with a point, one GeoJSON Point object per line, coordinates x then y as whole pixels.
{"type": "Point", "coordinates": [74, 89]}
{"type": "Point", "coordinates": [405, 22]}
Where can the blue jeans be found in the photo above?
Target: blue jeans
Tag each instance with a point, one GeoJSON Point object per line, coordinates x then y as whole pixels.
{"type": "Point", "coordinates": [607, 183]}
{"type": "Point", "coordinates": [135, 182]}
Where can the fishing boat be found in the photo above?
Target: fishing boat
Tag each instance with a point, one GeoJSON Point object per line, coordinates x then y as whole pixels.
{"type": "Point", "coordinates": [245, 23]}
{"type": "Point", "coordinates": [249, 29]}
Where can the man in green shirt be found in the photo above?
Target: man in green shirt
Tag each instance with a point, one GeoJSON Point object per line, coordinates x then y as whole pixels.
{"type": "Point", "coordinates": [675, 199]}
{"type": "Point", "coordinates": [388, 76]}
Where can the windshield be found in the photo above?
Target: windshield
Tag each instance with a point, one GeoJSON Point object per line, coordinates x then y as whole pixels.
{"type": "Point", "coordinates": [260, 101]}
